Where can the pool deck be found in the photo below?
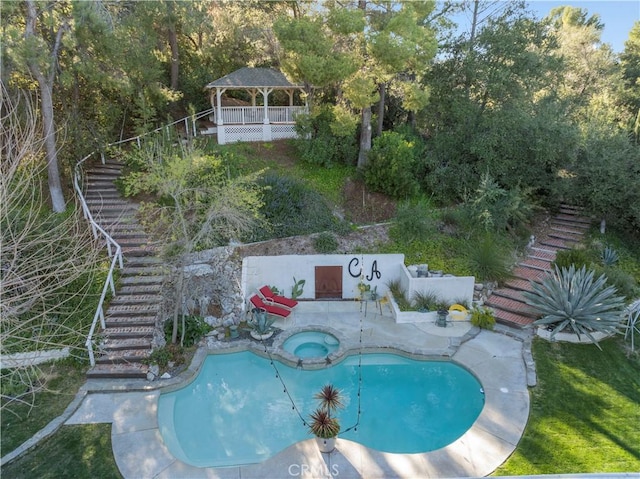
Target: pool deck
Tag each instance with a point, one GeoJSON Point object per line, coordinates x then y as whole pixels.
{"type": "Point", "coordinates": [495, 358]}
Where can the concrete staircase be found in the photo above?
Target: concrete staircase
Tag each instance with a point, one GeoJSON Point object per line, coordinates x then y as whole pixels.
{"type": "Point", "coordinates": [566, 229]}
{"type": "Point", "coordinates": [132, 316]}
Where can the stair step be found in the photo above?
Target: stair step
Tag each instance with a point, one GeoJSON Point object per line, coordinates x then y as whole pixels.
{"type": "Point", "coordinates": [142, 280]}
{"type": "Point", "coordinates": [120, 309]}
{"type": "Point", "coordinates": [124, 356]}
{"type": "Point", "coordinates": [134, 299]}
{"type": "Point", "coordinates": [511, 305]}
{"type": "Point", "coordinates": [124, 332]}
{"type": "Point", "coordinates": [143, 261]}
{"type": "Point", "coordinates": [132, 241]}
{"type": "Point", "coordinates": [555, 243]}
{"type": "Point", "coordinates": [568, 218]}
{"type": "Point", "coordinates": [530, 274]}
{"type": "Point", "coordinates": [139, 250]}
{"type": "Point", "coordinates": [136, 289]}
{"type": "Point", "coordinates": [118, 371]}
{"type": "Point", "coordinates": [519, 284]}
{"type": "Point", "coordinates": [564, 236]}
{"type": "Point", "coordinates": [510, 293]}
{"type": "Point", "coordinates": [567, 230]}
{"type": "Point", "coordinates": [512, 319]}
{"type": "Point", "coordinates": [543, 254]}
{"type": "Point", "coordinates": [570, 224]}
{"type": "Point", "coordinates": [535, 263]}
{"type": "Point", "coordinates": [105, 193]}
{"type": "Point", "coordinates": [130, 322]}
{"type": "Point", "coordinates": [126, 343]}
{"type": "Point", "coordinates": [114, 202]}
{"type": "Point", "coordinates": [150, 270]}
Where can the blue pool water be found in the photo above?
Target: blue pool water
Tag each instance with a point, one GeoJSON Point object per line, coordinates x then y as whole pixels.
{"type": "Point", "coordinates": [236, 411]}
{"type": "Point", "coordinates": [311, 344]}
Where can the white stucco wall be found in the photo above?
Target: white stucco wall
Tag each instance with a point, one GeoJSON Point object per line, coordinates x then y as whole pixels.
{"type": "Point", "coordinates": [279, 271]}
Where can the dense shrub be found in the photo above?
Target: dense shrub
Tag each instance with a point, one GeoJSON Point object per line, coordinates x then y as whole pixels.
{"type": "Point", "coordinates": [391, 166]}
{"type": "Point", "coordinates": [578, 257]}
{"type": "Point", "coordinates": [488, 259]}
{"type": "Point", "coordinates": [292, 208]}
{"type": "Point", "coordinates": [318, 145]}
{"type": "Point", "coordinates": [414, 221]}
{"type": "Point", "coordinates": [195, 328]}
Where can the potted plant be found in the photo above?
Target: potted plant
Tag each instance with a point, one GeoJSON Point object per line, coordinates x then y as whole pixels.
{"type": "Point", "coordinates": [323, 424]}
{"type": "Point", "coordinates": [260, 324]}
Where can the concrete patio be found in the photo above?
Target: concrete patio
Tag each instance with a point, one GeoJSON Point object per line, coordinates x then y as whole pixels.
{"type": "Point", "coordinates": [496, 359]}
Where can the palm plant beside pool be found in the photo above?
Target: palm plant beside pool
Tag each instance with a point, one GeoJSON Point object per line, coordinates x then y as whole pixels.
{"type": "Point", "coordinates": [570, 299]}
{"type": "Point", "coordinates": [323, 425]}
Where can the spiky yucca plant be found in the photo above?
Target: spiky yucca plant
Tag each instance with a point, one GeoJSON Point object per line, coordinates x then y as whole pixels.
{"type": "Point", "coordinates": [322, 424]}
{"type": "Point", "coordinates": [570, 298]}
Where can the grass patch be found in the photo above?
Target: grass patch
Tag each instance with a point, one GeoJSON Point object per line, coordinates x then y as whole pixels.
{"type": "Point", "coordinates": [73, 451]}
{"type": "Point", "coordinates": [20, 421]}
{"type": "Point", "coordinates": [327, 181]}
{"type": "Point", "coordinates": [584, 412]}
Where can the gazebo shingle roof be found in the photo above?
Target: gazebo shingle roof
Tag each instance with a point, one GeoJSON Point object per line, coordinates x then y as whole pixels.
{"type": "Point", "coordinates": [253, 78]}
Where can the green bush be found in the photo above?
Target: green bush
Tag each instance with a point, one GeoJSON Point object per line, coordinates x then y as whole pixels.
{"type": "Point", "coordinates": [318, 145]}
{"type": "Point", "coordinates": [488, 259]}
{"type": "Point", "coordinates": [325, 243]}
{"type": "Point", "coordinates": [413, 221]}
{"type": "Point", "coordinates": [483, 317]}
{"type": "Point", "coordinates": [292, 208]}
{"type": "Point", "coordinates": [195, 328]}
{"type": "Point", "coordinates": [578, 257]}
{"type": "Point", "coordinates": [391, 166]}
{"type": "Point", "coordinates": [425, 301]}
{"type": "Point", "coordinates": [162, 356]}
{"type": "Point", "coordinates": [399, 295]}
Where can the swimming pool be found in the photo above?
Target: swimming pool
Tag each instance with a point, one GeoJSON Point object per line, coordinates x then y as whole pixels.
{"type": "Point", "coordinates": [236, 411]}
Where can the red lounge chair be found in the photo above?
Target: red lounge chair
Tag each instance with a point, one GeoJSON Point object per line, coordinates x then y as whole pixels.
{"type": "Point", "coordinates": [269, 307]}
{"type": "Point", "coordinates": [268, 295]}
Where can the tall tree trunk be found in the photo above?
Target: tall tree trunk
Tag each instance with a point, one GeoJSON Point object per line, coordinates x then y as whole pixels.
{"type": "Point", "coordinates": [365, 137]}
{"type": "Point", "coordinates": [175, 57]}
{"type": "Point", "coordinates": [382, 90]}
{"type": "Point", "coordinates": [45, 84]}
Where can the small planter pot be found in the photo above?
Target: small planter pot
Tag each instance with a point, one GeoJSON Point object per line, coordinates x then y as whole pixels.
{"type": "Point", "coordinates": [261, 337]}
{"type": "Point", "coordinates": [326, 445]}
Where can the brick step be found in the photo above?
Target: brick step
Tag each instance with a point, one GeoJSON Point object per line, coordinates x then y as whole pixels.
{"type": "Point", "coordinates": [565, 236]}
{"type": "Point", "coordinates": [97, 194]}
{"type": "Point", "coordinates": [128, 310]}
{"type": "Point", "coordinates": [113, 215]}
{"type": "Point", "coordinates": [519, 284]}
{"type": "Point", "coordinates": [140, 321]}
{"type": "Point", "coordinates": [567, 230]}
{"type": "Point", "coordinates": [144, 260]}
{"type": "Point", "coordinates": [150, 270]}
{"type": "Point", "coordinates": [134, 299]}
{"type": "Point", "coordinates": [570, 224]}
{"type": "Point", "coordinates": [124, 356]}
{"type": "Point", "coordinates": [130, 226]}
{"type": "Point", "coordinates": [136, 289]}
{"type": "Point", "coordinates": [139, 251]}
{"type": "Point", "coordinates": [535, 263]}
{"type": "Point", "coordinates": [99, 184]}
{"type": "Point", "coordinates": [141, 280]}
{"type": "Point", "coordinates": [131, 233]}
{"type": "Point", "coordinates": [118, 371]}
{"type": "Point", "coordinates": [573, 208]}
{"type": "Point", "coordinates": [510, 293]}
{"type": "Point", "coordinates": [542, 254]}
{"type": "Point", "coordinates": [103, 175]}
{"type": "Point", "coordinates": [129, 332]}
{"type": "Point", "coordinates": [127, 343]}
{"type": "Point", "coordinates": [529, 274]}
{"type": "Point", "coordinates": [511, 305]}
{"type": "Point", "coordinates": [512, 319]}
{"type": "Point", "coordinates": [131, 241]}
{"type": "Point", "coordinates": [555, 243]}
{"type": "Point", "coordinates": [113, 202]}
{"type": "Point", "coordinates": [569, 218]}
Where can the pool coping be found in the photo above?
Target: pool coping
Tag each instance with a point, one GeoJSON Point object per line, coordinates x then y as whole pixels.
{"type": "Point", "coordinates": [495, 359]}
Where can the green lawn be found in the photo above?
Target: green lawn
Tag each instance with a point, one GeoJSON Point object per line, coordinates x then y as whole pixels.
{"type": "Point", "coordinates": [21, 421]}
{"type": "Point", "coordinates": [585, 412]}
{"type": "Point", "coordinates": [74, 451]}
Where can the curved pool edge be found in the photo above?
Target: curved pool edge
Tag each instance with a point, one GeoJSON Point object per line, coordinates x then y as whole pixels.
{"type": "Point", "coordinates": [495, 359]}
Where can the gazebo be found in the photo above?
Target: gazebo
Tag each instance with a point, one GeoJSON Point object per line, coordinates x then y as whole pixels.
{"type": "Point", "coordinates": [254, 123]}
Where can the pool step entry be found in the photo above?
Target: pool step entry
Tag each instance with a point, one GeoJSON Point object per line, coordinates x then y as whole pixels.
{"type": "Point", "coordinates": [133, 314]}
{"type": "Point", "coordinates": [566, 229]}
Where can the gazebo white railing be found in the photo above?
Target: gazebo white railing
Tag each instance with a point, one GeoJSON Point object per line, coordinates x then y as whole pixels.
{"type": "Point", "coordinates": [243, 115]}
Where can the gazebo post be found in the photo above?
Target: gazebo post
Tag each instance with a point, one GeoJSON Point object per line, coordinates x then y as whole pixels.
{"type": "Point", "coordinates": [219, 119]}
{"type": "Point", "coordinates": [266, 126]}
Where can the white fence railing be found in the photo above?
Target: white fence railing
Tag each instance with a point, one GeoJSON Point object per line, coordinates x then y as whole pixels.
{"type": "Point", "coordinates": [242, 115]}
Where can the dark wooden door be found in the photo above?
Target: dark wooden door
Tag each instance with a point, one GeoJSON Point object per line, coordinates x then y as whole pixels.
{"type": "Point", "coordinates": [328, 282]}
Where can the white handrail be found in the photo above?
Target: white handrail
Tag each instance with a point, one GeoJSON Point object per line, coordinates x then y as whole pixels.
{"type": "Point", "coordinates": [113, 248]}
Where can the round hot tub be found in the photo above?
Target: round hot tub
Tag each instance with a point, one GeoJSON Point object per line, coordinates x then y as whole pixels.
{"type": "Point", "coordinates": [311, 344]}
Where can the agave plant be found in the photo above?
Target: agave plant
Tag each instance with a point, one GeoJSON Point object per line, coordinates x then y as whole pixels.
{"type": "Point", "coordinates": [570, 299]}
{"type": "Point", "coordinates": [609, 256]}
